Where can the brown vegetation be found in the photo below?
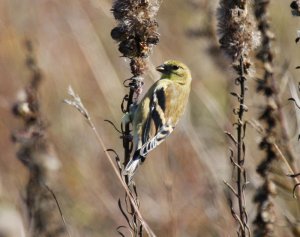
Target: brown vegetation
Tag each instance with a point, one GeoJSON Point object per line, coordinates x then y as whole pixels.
{"type": "Point", "coordinates": [185, 194]}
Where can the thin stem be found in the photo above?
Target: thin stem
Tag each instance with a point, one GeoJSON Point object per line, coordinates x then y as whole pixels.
{"type": "Point", "coordinates": [240, 159]}
{"type": "Point", "coordinates": [132, 201]}
{"type": "Point", "coordinates": [58, 206]}
{"type": "Point", "coordinates": [285, 161]}
{"type": "Point", "coordinates": [127, 152]}
{"type": "Point", "coordinates": [283, 123]}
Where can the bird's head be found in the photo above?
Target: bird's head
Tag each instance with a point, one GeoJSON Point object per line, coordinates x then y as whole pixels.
{"type": "Point", "coordinates": [175, 71]}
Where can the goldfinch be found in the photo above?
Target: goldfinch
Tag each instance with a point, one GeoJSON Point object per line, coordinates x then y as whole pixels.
{"type": "Point", "coordinates": [159, 111]}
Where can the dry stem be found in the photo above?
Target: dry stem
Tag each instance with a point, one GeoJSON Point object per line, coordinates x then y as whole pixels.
{"type": "Point", "coordinates": [76, 102]}
{"type": "Point", "coordinates": [36, 153]}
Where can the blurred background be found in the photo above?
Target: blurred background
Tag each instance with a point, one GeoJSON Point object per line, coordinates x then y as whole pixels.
{"type": "Point", "coordinates": [180, 187]}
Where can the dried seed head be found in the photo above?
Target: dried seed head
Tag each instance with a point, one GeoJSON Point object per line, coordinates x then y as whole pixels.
{"type": "Point", "coordinates": [295, 5]}
{"type": "Point", "coordinates": [272, 188]}
{"type": "Point", "coordinates": [123, 9]}
{"type": "Point", "coordinates": [119, 33]}
{"type": "Point", "coordinates": [237, 32]}
{"type": "Point", "coordinates": [267, 214]}
{"type": "Point", "coordinates": [128, 48]}
{"type": "Point", "coordinates": [138, 66]}
{"type": "Point", "coordinates": [75, 101]}
{"type": "Point", "coordinates": [23, 110]}
{"type": "Point", "coordinates": [137, 29]}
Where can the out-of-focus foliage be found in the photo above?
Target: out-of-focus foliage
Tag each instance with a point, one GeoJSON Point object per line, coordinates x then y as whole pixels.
{"type": "Point", "coordinates": [185, 195]}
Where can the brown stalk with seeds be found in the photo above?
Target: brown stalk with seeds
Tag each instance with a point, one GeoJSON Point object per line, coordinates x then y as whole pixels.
{"type": "Point", "coordinates": [265, 219]}
{"type": "Point", "coordinates": [237, 39]}
{"type": "Point", "coordinates": [37, 154]}
{"type": "Point", "coordinates": [136, 34]}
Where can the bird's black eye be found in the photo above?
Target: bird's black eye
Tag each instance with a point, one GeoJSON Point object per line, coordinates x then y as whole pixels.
{"type": "Point", "coordinates": [175, 67]}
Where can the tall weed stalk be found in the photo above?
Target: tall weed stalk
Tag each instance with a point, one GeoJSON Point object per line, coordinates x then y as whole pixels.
{"type": "Point", "coordinates": [237, 39]}
{"type": "Point", "coordinates": [136, 35]}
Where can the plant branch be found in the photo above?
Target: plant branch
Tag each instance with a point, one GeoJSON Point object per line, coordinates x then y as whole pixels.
{"type": "Point", "coordinates": [76, 102]}
{"type": "Point", "coordinates": [240, 153]}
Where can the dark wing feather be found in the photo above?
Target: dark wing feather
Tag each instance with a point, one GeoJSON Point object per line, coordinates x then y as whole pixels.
{"type": "Point", "coordinates": [156, 140]}
{"type": "Point", "coordinates": [157, 108]}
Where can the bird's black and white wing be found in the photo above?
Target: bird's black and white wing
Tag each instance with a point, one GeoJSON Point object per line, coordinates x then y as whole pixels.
{"type": "Point", "coordinates": [156, 114]}
{"type": "Point", "coordinates": [162, 134]}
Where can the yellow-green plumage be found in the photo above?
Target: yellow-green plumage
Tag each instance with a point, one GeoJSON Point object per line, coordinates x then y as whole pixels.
{"type": "Point", "coordinates": [159, 110]}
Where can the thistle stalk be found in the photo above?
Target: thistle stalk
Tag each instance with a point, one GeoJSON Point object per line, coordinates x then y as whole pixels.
{"type": "Point", "coordinates": [237, 39]}
{"type": "Point", "coordinates": [265, 218]}
{"type": "Point", "coordinates": [241, 173]}
{"type": "Point", "coordinates": [36, 152]}
{"type": "Point", "coordinates": [136, 35]}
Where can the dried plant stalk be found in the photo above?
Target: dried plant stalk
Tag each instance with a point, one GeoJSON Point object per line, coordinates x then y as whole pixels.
{"type": "Point", "coordinates": [275, 127]}
{"type": "Point", "coordinates": [37, 154]}
{"type": "Point", "coordinates": [265, 219]}
{"type": "Point", "coordinates": [136, 34]}
{"type": "Point", "coordinates": [75, 101]}
{"type": "Point", "coordinates": [237, 39]}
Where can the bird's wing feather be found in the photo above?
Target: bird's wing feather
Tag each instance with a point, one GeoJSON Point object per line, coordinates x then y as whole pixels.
{"type": "Point", "coordinates": [156, 114]}
{"type": "Point", "coordinates": [146, 128]}
{"type": "Point", "coordinates": [161, 135]}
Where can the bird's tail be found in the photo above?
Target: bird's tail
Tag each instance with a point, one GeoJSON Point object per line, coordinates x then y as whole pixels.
{"type": "Point", "coordinates": [133, 164]}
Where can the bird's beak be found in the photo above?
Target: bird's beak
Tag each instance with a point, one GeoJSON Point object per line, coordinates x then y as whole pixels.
{"type": "Point", "coordinates": [161, 68]}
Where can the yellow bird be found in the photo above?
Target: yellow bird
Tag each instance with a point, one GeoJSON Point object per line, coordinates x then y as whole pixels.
{"type": "Point", "coordinates": [159, 111]}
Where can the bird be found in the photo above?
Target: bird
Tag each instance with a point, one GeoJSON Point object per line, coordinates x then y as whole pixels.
{"type": "Point", "coordinates": [157, 114]}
